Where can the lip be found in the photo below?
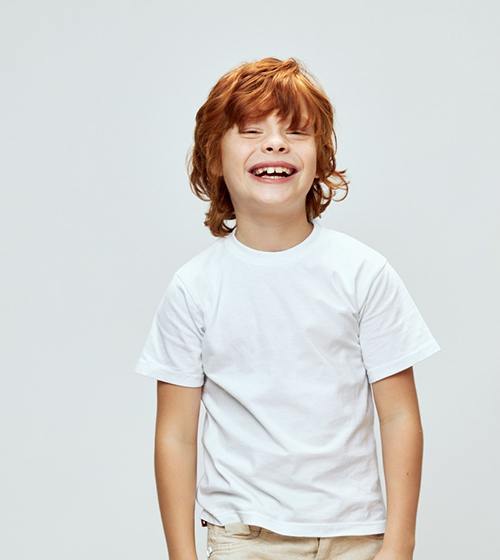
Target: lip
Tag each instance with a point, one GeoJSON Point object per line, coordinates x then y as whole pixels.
{"type": "Point", "coordinates": [273, 164]}
{"type": "Point", "coordinates": [271, 181]}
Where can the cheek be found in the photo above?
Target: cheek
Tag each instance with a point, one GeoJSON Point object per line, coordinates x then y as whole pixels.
{"type": "Point", "coordinates": [228, 155]}
{"type": "Point", "coordinates": [314, 153]}
{"type": "Point", "coordinates": [234, 166]}
{"type": "Point", "coordinates": [311, 160]}
{"type": "Point", "coordinates": [227, 161]}
{"type": "Point", "coordinates": [230, 170]}
{"type": "Point", "coordinates": [309, 153]}
{"type": "Point", "coordinates": [232, 173]}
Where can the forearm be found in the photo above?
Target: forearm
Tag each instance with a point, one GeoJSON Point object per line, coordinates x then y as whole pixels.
{"type": "Point", "coordinates": [402, 449]}
{"type": "Point", "coordinates": [175, 471]}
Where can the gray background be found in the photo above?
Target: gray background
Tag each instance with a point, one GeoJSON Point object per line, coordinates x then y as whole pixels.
{"type": "Point", "coordinates": [98, 102]}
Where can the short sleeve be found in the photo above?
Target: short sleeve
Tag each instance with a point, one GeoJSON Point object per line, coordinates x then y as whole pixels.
{"type": "Point", "coordinates": [172, 351]}
{"type": "Point", "coordinates": [392, 333]}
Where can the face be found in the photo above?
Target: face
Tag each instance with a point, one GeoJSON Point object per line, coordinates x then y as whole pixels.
{"type": "Point", "coordinates": [264, 143]}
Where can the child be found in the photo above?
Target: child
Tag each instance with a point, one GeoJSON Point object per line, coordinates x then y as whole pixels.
{"type": "Point", "coordinates": [284, 329]}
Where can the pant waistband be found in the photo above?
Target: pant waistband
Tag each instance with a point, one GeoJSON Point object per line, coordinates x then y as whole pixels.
{"type": "Point", "coordinates": [233, 528]}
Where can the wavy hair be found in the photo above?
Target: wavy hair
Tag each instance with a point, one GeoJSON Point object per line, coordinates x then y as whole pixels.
{"type": "Point", "coordinates": [254, 90]}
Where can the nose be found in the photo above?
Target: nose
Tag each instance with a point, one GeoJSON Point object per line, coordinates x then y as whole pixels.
{"type": "Point", "coordinates": [275, 142]}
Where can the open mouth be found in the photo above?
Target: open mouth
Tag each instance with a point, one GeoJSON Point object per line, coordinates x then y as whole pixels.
{"type": "Point", "coordinates": [276, 172]}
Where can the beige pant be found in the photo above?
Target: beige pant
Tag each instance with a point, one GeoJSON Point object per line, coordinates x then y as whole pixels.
{"type": "Point", "coordinates": [238, 541]}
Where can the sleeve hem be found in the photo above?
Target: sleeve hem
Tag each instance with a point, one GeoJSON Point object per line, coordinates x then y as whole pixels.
{"type": "Point", "coordinates": [395, 366]}
{"type": "Point", "coordinates": [170, 376]}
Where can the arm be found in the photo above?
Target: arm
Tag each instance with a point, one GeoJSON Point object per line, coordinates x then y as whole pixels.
{"type": "Point", "coordinates": [175, 465]}
{"type": "Point", "coordinates": [402, 449]}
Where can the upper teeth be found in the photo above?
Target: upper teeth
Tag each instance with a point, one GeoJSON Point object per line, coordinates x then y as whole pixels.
{"type": "Point", "coordinates": [273, 170]}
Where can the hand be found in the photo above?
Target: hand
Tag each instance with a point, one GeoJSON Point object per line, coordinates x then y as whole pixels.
{"type": "Point", "coordinates": [393, 555]}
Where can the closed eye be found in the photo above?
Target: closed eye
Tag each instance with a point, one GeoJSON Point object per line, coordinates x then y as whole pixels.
{"type": "Point", "coordinates": [257, 132]}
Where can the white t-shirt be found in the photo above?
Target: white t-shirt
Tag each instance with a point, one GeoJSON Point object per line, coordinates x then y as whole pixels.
{"type": "Point", "coordinates": [285, 345]}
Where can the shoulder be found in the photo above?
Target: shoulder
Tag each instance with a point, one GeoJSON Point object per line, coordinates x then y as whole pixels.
{"type": "Point", "coordinates": [353, 264]}
{"type": "Point", "coordinates": [350, 253]}
{"type": "Point", "coordinates": [199, 262]}
{"type": "Point", "coordinates": [199, 270]}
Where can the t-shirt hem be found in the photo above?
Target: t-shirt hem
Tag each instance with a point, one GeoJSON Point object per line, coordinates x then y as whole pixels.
{"type": "Point", "coordinates": [379, 372]}
{"type": "Point", "coordinates": [169, 376]}
{"type": "Point", "coordinates": [297, 529]}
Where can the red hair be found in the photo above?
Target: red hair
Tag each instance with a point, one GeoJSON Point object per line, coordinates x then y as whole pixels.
{"type": "Point", "coordinates": [254, 90]}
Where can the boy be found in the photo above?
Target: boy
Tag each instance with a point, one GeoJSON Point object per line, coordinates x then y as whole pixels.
{"type": "Point", "coordinates": [284, 329]}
